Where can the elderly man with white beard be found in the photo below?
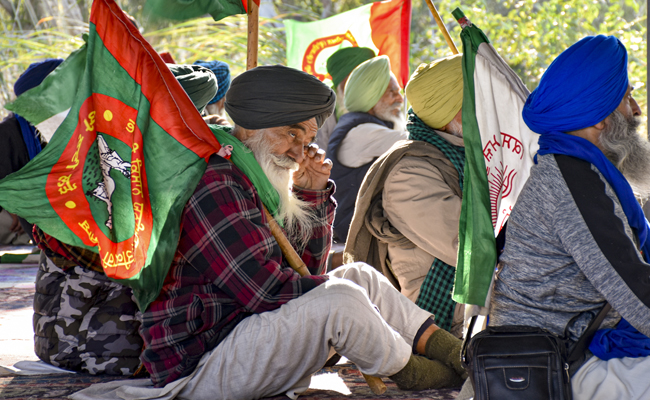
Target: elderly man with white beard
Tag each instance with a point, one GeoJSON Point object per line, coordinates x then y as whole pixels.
{"type": "Point", "coordinates": [234, 320]}
{"type": "Point", "coordinates": [577, 237]}
{"type": "Point", "coordinates": [374, 123]}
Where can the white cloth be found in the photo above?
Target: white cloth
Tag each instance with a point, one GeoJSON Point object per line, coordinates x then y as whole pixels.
{"type": "Point", "coordinates": [357, 313]}
{"type": "Point", "coordinates": [618, 378]}
{"type": "Point", "coordinates": [366, 142]}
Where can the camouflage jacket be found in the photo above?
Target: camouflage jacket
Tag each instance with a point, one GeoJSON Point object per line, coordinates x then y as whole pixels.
{"type": "Point", "coordinates": [85, 322]}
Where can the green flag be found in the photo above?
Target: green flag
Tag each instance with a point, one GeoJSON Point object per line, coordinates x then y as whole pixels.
{"type": "Point", "coordinates": [123, 162]}
{"type": "Point", "coordinates": [383, 26]}
{"type": "Point", "coordinates": [499, 150]}
{"type": "Point", "coordinates": [184, 9]}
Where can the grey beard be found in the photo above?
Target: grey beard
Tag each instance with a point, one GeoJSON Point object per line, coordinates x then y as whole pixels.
{"type": "Point", "coordinates": [399, 122]}
{"type": "Point", "coordinates": [455, 128]}
{"type": "Point", "coordinates": [628, 151]}
{"type": "Point", "coordinates": [297, 214]}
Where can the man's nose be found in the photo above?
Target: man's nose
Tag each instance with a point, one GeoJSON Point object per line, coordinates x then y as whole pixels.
{"type": "Point", "coordinates": [297, 152]}
{"type": "Point", "coordinates": [636, 110]}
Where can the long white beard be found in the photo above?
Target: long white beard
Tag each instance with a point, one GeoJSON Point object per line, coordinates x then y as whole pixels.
{"type": "Point", "coordinates": [298, 216]}
{"type": "Point", "coordinates": [628, 151]}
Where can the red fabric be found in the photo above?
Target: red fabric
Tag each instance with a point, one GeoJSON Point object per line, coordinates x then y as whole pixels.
{"type": "Point", "coordinates": [390, 22]}
{"type": "Point", "coordinates": [158, 83]}
{"type": "Point", "coordinates": [167, 58]}
{"type": "Point", "coordinates": [245, 4]}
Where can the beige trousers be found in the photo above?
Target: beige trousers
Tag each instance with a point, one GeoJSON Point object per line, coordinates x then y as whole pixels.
{"type": "Point", "coordinates": [357, 313]}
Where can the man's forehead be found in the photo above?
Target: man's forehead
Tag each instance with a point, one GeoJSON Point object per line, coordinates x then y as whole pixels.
{"type": "Point", "coordinates": [309, 127]}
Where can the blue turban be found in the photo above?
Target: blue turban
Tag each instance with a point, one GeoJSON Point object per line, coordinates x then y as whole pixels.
{"type": "Point", "coordinates": [580, 88]}
{"type": "Point", "coordinates": [222, 72]}
{"type": "Point", "coordinates": [32, 77]}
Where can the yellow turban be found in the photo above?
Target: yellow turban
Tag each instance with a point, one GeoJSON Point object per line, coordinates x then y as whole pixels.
{"type": "Point", "coordinates": [435, 91]}
{"type": "Point", "coordinates": [367, 83]}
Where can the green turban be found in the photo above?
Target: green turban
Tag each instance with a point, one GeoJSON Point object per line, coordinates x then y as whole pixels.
{"type": "Point", "coordinates": [435, 91]}
{"type": "Point", "coordinates": [367, 83]}
{"type": "Point", "coordinates": [198, 82]}
{"type": "Point", "coordinates": [343, 61]}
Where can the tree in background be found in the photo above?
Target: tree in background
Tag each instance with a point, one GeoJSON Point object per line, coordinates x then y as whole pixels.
{"type": "Point", "coordinates": [528, 34]}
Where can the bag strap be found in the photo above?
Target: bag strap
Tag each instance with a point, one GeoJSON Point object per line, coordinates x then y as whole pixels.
{"type": "Point", "coordinates": [466, 339]}
{"type": "Point", "coordinates": [585, 338]}
{"type": "Point", "coordinates": [577, 350]}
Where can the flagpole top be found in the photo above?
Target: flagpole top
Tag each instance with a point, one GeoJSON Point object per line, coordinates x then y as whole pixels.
{"type": "Point", "coordinates": [461, 18]}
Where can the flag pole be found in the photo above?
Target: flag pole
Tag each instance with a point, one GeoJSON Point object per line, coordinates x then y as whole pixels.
{"type": "Point", "coordinates": [442, 26]}
{"type": "Point", "coordinates": [253, 34]}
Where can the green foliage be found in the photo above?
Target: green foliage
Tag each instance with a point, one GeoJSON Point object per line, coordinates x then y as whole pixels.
{"type": "Point", "coordinates": [528, 34]}
{"type": "Point", "coordinates": [225, 40]}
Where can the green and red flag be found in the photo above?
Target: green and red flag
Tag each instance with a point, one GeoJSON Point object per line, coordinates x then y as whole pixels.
{"type": "Point", "coordinates": [184, 9]}
{"type": "Point", "coordinates": [128, 152]}
{"type": "Point", "coordinates": [499, 151]}
{"type": "Point", "coordinates": [382, 26]}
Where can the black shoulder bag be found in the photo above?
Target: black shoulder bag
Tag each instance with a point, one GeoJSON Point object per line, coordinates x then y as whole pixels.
{"type": "Point", "coordinates": [523, 362]}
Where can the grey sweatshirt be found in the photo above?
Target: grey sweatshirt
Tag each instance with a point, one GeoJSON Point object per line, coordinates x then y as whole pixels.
{"type": "Point", "coordinates": [568, 249]}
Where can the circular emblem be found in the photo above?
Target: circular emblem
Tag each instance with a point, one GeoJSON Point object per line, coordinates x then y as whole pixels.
{"type": "Point", "coordinates": [318, 45]}
{"type": "Point", "coordinates": [103, 165]}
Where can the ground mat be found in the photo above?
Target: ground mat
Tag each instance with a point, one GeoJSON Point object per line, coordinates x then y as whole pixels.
{"type": "Point", "coordinates": [338, 382]}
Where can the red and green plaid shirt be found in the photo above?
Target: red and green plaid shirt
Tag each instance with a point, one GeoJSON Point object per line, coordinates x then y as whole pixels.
{"type": "Point", "coordinates": [227, 267]}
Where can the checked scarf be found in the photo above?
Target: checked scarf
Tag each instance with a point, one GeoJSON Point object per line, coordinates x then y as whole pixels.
{"type": "Point", "coordinates": [435, 292]}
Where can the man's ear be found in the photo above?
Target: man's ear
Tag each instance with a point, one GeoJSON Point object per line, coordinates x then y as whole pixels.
{"type": "Point", "coordinates": [601, 125]}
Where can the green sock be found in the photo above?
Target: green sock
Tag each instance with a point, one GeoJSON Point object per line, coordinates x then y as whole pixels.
{"type": "Point", "coordinates": [420, 373]}
{"type": "Point", "coordinates": [445, 347]}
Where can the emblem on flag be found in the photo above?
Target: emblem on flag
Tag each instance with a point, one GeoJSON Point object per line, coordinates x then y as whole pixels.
{"type": "Point", "coordinates": [381, 26]}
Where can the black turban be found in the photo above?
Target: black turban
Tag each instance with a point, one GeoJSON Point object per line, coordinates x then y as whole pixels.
{"type": "Point", "coordinates": [275, 95]}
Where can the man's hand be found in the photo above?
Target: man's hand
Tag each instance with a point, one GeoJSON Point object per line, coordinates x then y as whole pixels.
{"type": "Point", "coordinates": [15, 225]}
{"type": "Point", "coordinates": [216, 120]}
{"type": "Point", "coordinates": [314, 171]}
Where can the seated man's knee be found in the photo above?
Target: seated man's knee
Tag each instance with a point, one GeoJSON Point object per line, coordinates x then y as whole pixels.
{"type": "Point", "coordinates": [358, 272]}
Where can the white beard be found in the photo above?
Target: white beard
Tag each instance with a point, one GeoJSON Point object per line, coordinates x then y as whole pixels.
{"type": "Point", "coordinates": [628, 151]}
{"type": "Point", "coordinates": [455, 128]}
{"type": "Point", "coordinates": [298, 216]}
{"type": "Point", "coordinates": [399, 121]}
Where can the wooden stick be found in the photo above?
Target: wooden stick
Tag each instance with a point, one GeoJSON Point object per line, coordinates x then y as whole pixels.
{"type": "Point", "coordinates": [253, 34]}
{"type": "Point", "coordinates": [376, 385]}
{"type": "Point", "coordinates": [287, 249]}
{"type": "Point", "coordinates": [442, 26]}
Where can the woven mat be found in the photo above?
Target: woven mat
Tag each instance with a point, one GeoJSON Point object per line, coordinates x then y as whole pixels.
{"type": "Point", "coordinates": [350, 386]}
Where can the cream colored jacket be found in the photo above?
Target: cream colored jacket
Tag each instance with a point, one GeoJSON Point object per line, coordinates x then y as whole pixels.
{"type": "Point", "coordinates": [425, 209]}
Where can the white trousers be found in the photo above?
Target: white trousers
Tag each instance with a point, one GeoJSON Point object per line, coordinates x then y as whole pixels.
{"type": "Point", "coordinates": [618, 378]}
{"type": "Point", "coordinates": [357, 314]}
